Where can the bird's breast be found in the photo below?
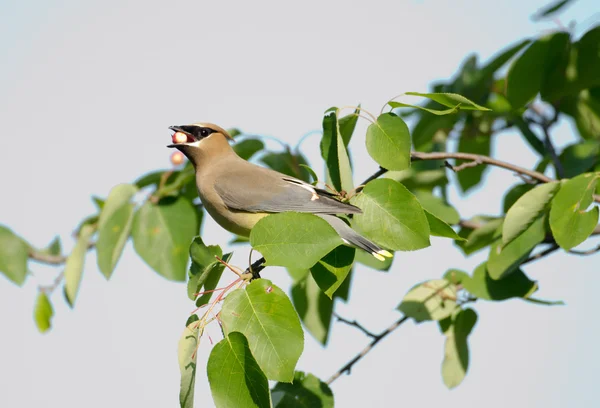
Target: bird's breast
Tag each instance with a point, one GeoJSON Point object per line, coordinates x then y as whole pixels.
{"type": "Point", "coordinates": [237, 222]}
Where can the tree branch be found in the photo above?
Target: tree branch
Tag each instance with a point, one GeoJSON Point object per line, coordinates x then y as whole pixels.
{"type": "Point", "coordinates": [415, 156]}
{"type": "Point", "coordinates": [50, 259]}
{"type": "Point", "coordinates": [586, 252]}
{"type": "Point", "coordinates": [480, 159]}
{"type": "Point", "coordinates": [560, 171]}
{"type": "Point", "coordinates": [356, 324]}
{"type": "Point", "coordinates": [376, 339]}
{"type": "Point", "coordinates": [542, 254]}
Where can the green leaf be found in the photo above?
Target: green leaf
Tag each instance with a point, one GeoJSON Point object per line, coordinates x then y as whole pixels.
{"type": "Point", "coordinates": [530, 137]}
{"type": "Point", "coordinates": [43, 312]}
{"type": "Point", "coordinates": [430, 131]}
{"type": "Point", "coordinates": [306, 391]}
{"type": "Point", "coordinates": [186, 356]}
{"type": "Point", "coordinates": [388, 142]}
{"type": "Point", "coordinates": [456, 349]}
{"type": "Point", "coordinates": [585, 109]}
{"type": "Point", "coordinates": [580, 157]}
{"type": "Point", "coordinates": [569, 222]}
{"type": "Point", "coordinates": [489, 232]}
{"type": "Point", "coordinates": [347, 124]}
{"type": "Point", "coordinates": [482, 286]}
{"type": "Point", "coordinates": [528, 208]}
{"type": "Point", "coordinates": [234, 132]}
{"type": "Point", "coordinates": [149, 179]}
{"type": "Point", "coordinates": [512, 195]}
{"type": "Point", "coordinates": [265, 315]}
{"type": "Point", "coordinates": [98, 202]}
{"type": "Point", "coordinates": [414, 179]}
{"type": "Point", "coordinates": [205, 269]}
{"type": "Point", "coordinates": [114, 226]}
{"type": "Point", "coordinates": [311, 172]}
{"type": "Point", "coordinates": [588, 59]}
{"type": "Point", "coordinates": [331, 271]}
{"type": "Point", "coordinates": [14, 253]}
{"type": "Point", "coordinates": [162, 234]}
{"type": "Point", "coordinates": [498, 61]}
{"type": "Point", "coordinates": [550, 9]}
{"type": "Point", "coordinates": [431, 300]}
{"type": "Point", "coordinates": [556, 82]}
{"type": "Point", "coordinates": [75, 262]}
{"type": "Point", "coordinates": [248, 148]}
{"type": "Point", "coordinates": [287, 163]}
{"type": "Point", "coordinates": [313, 307]}
{"type": "Point", "coordinates": [333, 151]}
{"type": "Point", "coordinates": [235, 378]}
{"type": "Point", "coordinates": [476, 144]}
{"type": "Point", "coordinates": [545, 302]}
{"type": "Point", "coordinates": [54, 248]}
{"type": "Point", "coordinates": [528, 72]}
{"type": "Point", "coordinates": [451, 100]}
{"type": "Point", "coordinates": [392, 216]}
{"type": "Point", "coordinates": [439, 112]}
{"type": "Point", "coordinates": [369, 260]}
{"type": "Point", "coordinates": [505, 259]}
{"type": "Point", "coordinates": [437, 206]}
{"type": "Point", "coordinates": [296, 240]}
{"type": "Point", "coordinates": [439, 228]}
{"type": "Point", "coordinates": [343, 291]}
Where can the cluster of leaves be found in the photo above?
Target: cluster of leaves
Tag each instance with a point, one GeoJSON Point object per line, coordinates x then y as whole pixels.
{"type": "Point", "coordinates": [403, 204]}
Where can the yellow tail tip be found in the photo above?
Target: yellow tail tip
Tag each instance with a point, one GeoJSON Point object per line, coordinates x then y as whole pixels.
{"type": "Point", "coordinates": [385, 253]}
{"type": "Point", "coordinates": [377, 256]}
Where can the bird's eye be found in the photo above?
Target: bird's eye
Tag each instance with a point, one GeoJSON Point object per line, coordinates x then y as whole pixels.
{"type": "Point", "coordinates": [204, 132]}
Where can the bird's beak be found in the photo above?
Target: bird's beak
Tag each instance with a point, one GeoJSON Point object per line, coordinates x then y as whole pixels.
{"type": "Point", "coordinates": [177, 129]}
{"type": "Point", "coordinates": [180, 129]}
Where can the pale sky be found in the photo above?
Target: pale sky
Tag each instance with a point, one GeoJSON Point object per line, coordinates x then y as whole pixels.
{"type": "Point", "coordinates": [87, 91]}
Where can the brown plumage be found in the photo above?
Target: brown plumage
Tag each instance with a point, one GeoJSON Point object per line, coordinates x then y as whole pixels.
{"type": "Point", "coordinates": [237, 193]}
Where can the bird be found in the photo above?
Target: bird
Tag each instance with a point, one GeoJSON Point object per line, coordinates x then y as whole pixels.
{"type": "Point", "coordinates": [237, 193]}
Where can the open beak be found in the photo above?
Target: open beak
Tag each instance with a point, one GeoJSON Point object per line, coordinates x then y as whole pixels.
{"type": "Point", "coordinates": [179, 129]}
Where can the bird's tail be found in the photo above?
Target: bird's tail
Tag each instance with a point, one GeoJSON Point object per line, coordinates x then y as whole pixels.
{"type": "Point", "coordinates": [351, 237]}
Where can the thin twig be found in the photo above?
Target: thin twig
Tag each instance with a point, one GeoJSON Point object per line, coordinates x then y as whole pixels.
{"type": "Point", "coordinates": [560, 171]}
{"type": "Point", "coordinates": [356, 324]}
{"type": "Point", "coordinates": [48, 289]}
{"type": "Point", "coordinates": [376, 339]}
{"type": "Point", "coordinates": [545, 124]}
{"type": "Point", "coordinates": [50, 259]}
{"type": "Point", "coordinates": [372, 177]}
{"type": "Point", "coordinates": [586, 252]}
{"type": "Point", "coordinates": [542, 254]}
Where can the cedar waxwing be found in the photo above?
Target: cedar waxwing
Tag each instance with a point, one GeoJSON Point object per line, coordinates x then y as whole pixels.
{"type": "Point", "coordinates": [237, 193]}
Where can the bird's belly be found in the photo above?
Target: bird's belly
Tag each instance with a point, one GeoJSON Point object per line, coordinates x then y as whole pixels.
{"type": "Point", "coordinates": [237, 222]}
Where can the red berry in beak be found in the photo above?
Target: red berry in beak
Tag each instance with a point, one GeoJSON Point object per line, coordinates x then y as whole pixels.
{"type": "Point", "coordinates": [179, 137]}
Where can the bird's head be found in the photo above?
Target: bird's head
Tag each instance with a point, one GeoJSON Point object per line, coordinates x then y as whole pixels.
{"type": "Point", "coordinates": [199, 141]}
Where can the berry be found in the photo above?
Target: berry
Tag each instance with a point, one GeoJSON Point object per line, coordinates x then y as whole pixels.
{"type": "Point", "coordinates": [179, 137]}
{"type": "Point", "coordinates": [177, 158]}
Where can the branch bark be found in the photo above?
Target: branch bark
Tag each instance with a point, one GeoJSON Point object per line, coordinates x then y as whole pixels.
{"type": "Point", "coordinates": [478, 158]}
{"type": "Point", "coordinates": [356, 324]}
{"type": "Point", "coordinates": [49, 259]}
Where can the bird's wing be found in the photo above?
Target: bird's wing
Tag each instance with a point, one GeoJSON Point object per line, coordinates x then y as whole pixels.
{"type": "Point", "coordinates": [255, 189]}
